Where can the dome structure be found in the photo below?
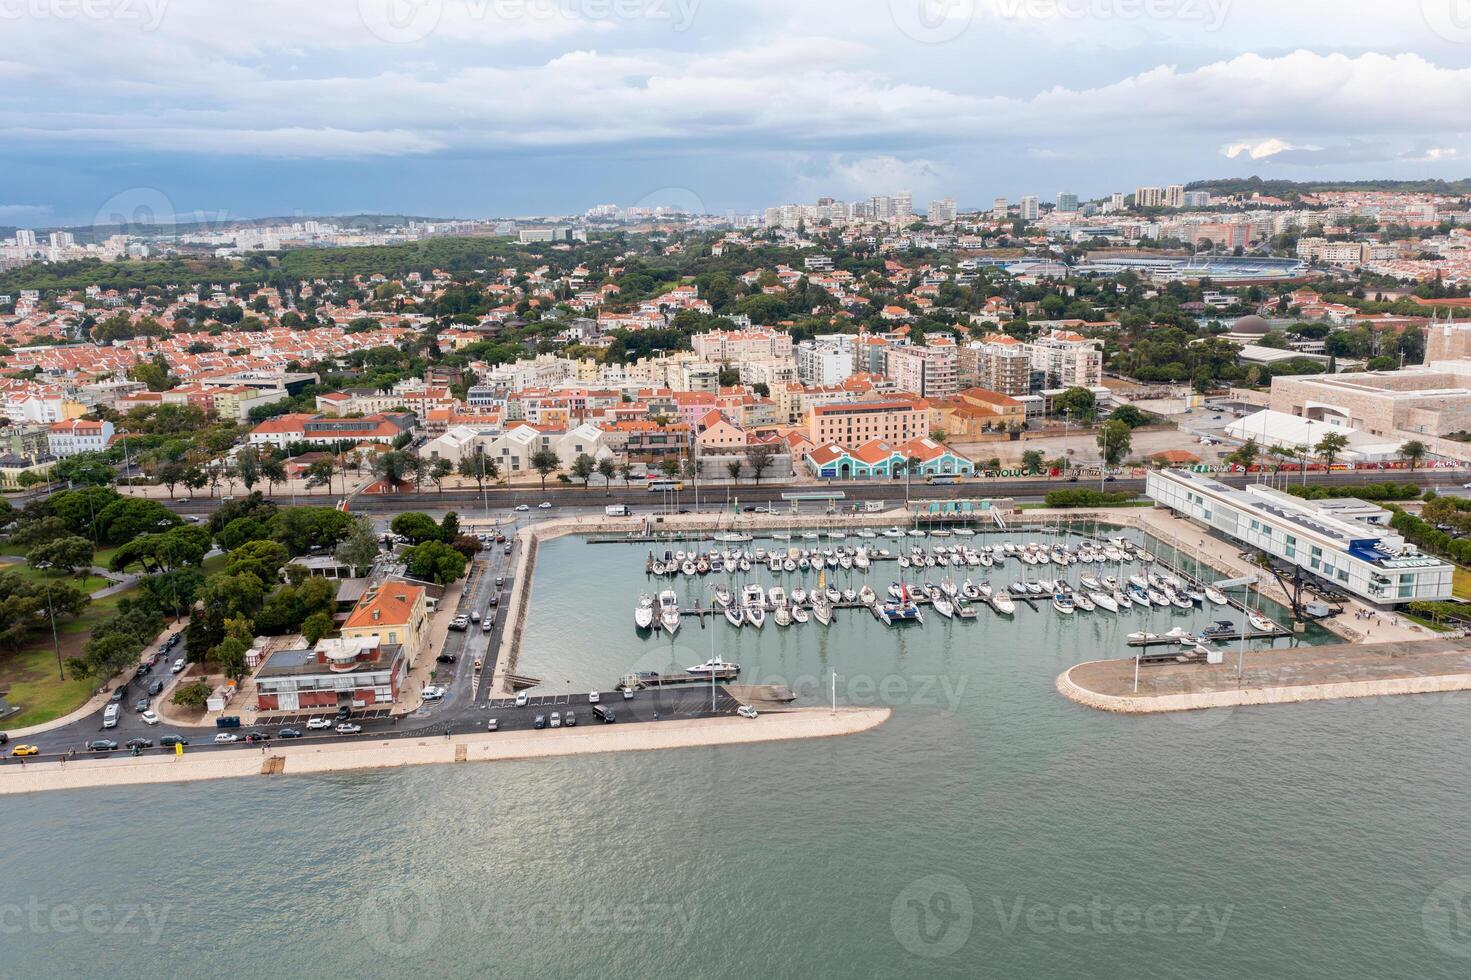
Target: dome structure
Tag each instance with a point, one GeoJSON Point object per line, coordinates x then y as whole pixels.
{"type": "Point", "coordinates": [1251, 326]}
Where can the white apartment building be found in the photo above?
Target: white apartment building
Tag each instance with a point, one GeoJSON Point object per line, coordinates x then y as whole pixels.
{"type": "Point", "coordinates": [929, 372]}
{"type": "Point", "coordinates": [821, 364]}
{"type": "Point", "coordinates": [1344, 542]}
{"type": "Point", "coordinates": [78, 436]}
{"type": "Point", "coordinates": [1031, 208]}
{"type": "Point", "coordinates": [735, 345]}
{"type": "Point", "coordinates": [942, 212]}
{"type": "Point", "coordinates": [1068, 360]}
{"type": "Point", "coordinates": [543, 371]}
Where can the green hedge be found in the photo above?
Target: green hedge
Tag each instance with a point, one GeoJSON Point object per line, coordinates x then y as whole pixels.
{"type": "Point", "coordinates": [1369, 491]}
{"type": "Point", "coordinates": [1086, 498]}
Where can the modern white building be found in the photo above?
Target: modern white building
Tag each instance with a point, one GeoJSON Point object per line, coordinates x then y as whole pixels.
{"type": "Point", "coordinates": [1346, 543]}
{"type": "Point", "coordinates": [821, 364]}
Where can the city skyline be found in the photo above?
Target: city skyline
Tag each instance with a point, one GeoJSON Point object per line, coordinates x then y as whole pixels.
{"type": "Point", "coordinates": [496, 107]}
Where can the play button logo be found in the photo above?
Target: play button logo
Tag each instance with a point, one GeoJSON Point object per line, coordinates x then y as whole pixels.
{"type": "Point", "coordinates": [1450, 19]}
{"type": "Point", "coordinates": [401, 21]}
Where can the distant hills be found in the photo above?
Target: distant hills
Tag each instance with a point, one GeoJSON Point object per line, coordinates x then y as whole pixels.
{"type": "Point", "coordinates": [1294, 189]}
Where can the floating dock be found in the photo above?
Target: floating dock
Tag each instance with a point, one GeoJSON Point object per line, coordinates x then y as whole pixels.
{"type": "Point", "coordinates": [647, 679]}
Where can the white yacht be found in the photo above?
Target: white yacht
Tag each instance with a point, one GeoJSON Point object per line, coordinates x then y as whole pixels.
{"type": "Point", "coordinates": [643, 613]}
{"type": "Point", "coordinates": [669, 611]}
{"type": "Point", "coordinates": [713, 665]}
{"type": "Point", "coordinates": [753, 601]}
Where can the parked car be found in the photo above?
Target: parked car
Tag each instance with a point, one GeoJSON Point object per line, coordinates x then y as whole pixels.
{"type": "Point", "coordinates": [459, 624]}
{"type": "Point", "coordinates": [348, 728]}
{"type": "Point", "coordinates": [593, 697]}
{"type": "Point", "coordinates": [569, 719]}
{"type": "Point", "coordinates": [226, 738]}
{"type": "Point", "coordinates": [119, 694]}
{"type": "Point", "coordinates": [493, 725]}
{"type": "Point", "coordinates": [344, 712]}
{"type": "Point", "coordinates": [544, 505]}
{"type": "Point", "coordinates": [317, 724]}
{"type": "Point", "coordinates": [627, 694]}
{"type": "Point", "coordinates": [521, 698]}
{"type": "Point", "coordinates": [156, 688]}
{"type": "Point", "coordinates": [433, 694]}
{"type": "Point", "coordinates": [169, 741]}
{"type": "Point", "coordinates": [746, 711]}
{"type": "Point", "coordinates": [446, 658]}
{"type": "Point", "coordinates": [257, 737]}
{"type": "Point", "coordinates": [24, 750]}
{"type": "Point", "coordinates": [604, 714]}
{"type": "Point", "coordinates": [289, 733]}
{"type": "Point", "coordinates": [178, 667]}
{"type": "Point", "coordinates": [540, 722]}
{"type": "Point", "coordinates": [556, 719]}
{"type": "Point", "coordinates": [101, 745]}
{"type": "Point", "coordinates": [522, 508]}
{"type": "Point", "coordinates": [508, 549]}
{"type": "Point", "coordinates": [140, 743]}
{"type": "Point", "coordinates": [149, 717]}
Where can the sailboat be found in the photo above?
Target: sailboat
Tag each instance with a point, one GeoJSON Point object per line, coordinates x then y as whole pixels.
{"type": "Point", "coordinates": [753, 600]}
{"type": "Point", "coordinates": [734, 615]}
{"type": "Point", "coordinates": [1215, 595]}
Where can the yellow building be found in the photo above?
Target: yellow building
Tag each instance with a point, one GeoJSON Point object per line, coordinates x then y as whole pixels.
{"type": "Point", "coordinates": [393, 612]}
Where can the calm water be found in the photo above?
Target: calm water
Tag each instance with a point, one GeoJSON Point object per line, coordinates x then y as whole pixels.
{"type": "Point", "coordinates": [991, 828]}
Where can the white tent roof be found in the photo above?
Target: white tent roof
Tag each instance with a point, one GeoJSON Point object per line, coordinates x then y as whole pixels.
{"type": "Point", "coordinates": [1270, 428]}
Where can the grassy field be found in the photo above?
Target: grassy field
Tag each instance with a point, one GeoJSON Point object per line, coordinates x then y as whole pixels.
{"type": "Point", "coordinates": [87, 583]}
{"type": "Point", "coordinates": [1462, 586]}
{"type": "Point", "coordinates": [29, 674]}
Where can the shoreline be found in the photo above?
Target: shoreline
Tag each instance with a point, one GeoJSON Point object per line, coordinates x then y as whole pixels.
{"type": "Point", "coordinates": [801, 723]}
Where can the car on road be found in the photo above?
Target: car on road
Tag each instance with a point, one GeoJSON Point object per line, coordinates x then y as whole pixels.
{"type": "Point", "coordinates": [434, 694]}
{"type": "Point", "coordinates": [226, 738]}
{"type": "Point", "coordinates": [289, 733]}
{"type": "Point", "coordinates": [604, 714]}
{"type": "Point", "coordinates": [556, 719]}
{"type": "Point", "coordinates": [570, 719]}
{"type": "Point", "coordinates": [475, 616]}
{"type": "Point", "coordinates": [4, 738]}
{"type": "Point", "coordinates": [544, 505]}
{"type": "Point", "coordinates": [149, 717]}
{"type": "Point", "coordinates": [178, 667]}
{"type": "Point", "coordinates": [257, 737]}
{"type": "Point", "coordinates": [521, 698]}
{"type": "Point", "coordinates": [627, 694]}
{"type": "Point", "coordinates": [155, 688]}
{"type": "Point", "coordinates": [488, 625]}
{"type": "Point", "coordinates": [317, 724]}
{"type": "Point", "coordinates": [522, 508]}
{"type": "Point", "coordinates": [493, 725]}
{"type": "Point", "coordinates": [459, 624]}
{"type": "Point", "coordinates": [593, 697]}
{"type": "Point", "coordinates": [119, 694]}
{"type": "Point", "coordinates": [101, 745]}
{"type": "Point", "coordinates": [746, 711]}
{"type": "Point", "coordinates": [508, 548]}
{"type": "Point", "coordinates": [495, 600]}
{"type": "Point", "coordinates": [169, 741]}
{"type": "Point", "coordinates": [140, 743]}
{"type": "Point", "coordinates": [540, 722]}
{"type": "Point", "coordinates": [446, 658]}
{"type": "Point", "coordinates": [1466, 486]}
{"type": "Point", "coordinates": [348, 728]}
{"type": "Point", "coordinates": [142, 705]}
{"type": "Point", "coordinates": [25, 750]}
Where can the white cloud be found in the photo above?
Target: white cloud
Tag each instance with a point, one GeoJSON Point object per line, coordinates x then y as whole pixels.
{"type": "Point", "coordinates": [1263, 149]}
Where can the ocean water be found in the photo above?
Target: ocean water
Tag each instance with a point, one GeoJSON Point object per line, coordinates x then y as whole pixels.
{"type": "Point", "coordinates": [990, 828]}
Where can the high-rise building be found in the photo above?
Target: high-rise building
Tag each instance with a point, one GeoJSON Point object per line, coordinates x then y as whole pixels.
{"type": "Point", "coordinates": [1149, 197]}
{"type": "Point", "coordinates": [929, 372]}
{"type": "Point", "coordinates": [1067, 202]}
{"type": "Point", "coordinates": [1197, 199]}
{"type": "Point", "coordinates": [1031, 208]}
{"type": "Point", "coordinates": [942, 212]}
{"type": "Point", "coordinates": [25, 238]}
{"type": "Point", "coordinates": [999, 363]}
{"type": "Point", "coordinates": [63, 239]}
{"type": "Point", "coordinates": [1068, 360]}
{"type": "Point", "coordinates": [1000, 207]}
{"type": "Point", "coordinates": [1117, 201]}
{"type": "Point", "coordinates": [1175, 196]}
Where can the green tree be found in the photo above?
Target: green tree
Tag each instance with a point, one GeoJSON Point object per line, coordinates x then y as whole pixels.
{"type": "Point", "coordinates": [1414, 452]}
{"type": "Point", "coordinates": [434, 561]}
{"type": "Point", "coordinates": [545, 462]}
{"type": "Point", "coordinates": [1245, 455]}
{"type": "Point", "coordinates": [230, 656]}
{"type": "Point", "coordinates": [84, 469]}
{"type": "Point", "coordinates": [320, 472]}
{"type": "Point", "coordinates": [481, 468]}
{"type": "Point", "coordinates": [1114, 442]}
{"type": "Point", "coordinates": [1078, 404]}
{"type": "Point", "coordinates": [1330, 447]}
{"type": "Point", "coordinates": [247, 466]}
{"type": "Point", "coordinates": [415, 526]}
{"type": "Point", "coordinates": [192, 695]}
{"type": "Point", "coordinates": [734, 469]}
{"type": "Point", "coordinates": [439, 471]}
{"type": "Point", "coordinates": [607, 470]}
{"type": "Point", "coordinates": [583, 468]}
{"type": "Point", "coordinates": [317, 627]}
{"type": "Point", "coordinates": [360, 548]}
{"type": "Point", "coordinates": [127, 518]}
{"type": "Point", "coordinates": [1032, 460]}
{"type": "Point", "coordinates": [65, 554]}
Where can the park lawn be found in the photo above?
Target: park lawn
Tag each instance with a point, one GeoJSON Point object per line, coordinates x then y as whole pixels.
{"type": "Point", "coordinates": [29, 674]}
{"type": "Point", "coordinates": [87, 583]}
{"type": "Point", "coordinates": [101, 557]}
{"type": "Point", "coordinates": [1461, 586]}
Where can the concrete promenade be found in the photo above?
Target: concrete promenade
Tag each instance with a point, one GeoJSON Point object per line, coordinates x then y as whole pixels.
{"type": "Point", "coordinates": [374, 753]}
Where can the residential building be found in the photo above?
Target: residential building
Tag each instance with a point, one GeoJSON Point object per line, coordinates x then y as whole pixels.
{"type": "Point", "coordinates": [855, 423]}
{"type": "Point", "coordinates": [929, 372]}
{"type": "Point", "coordinates": [1067, 360]}
{"type": "Point", "coordinates": [1067, 202]}
{"type": "Point", "coordinates": [392, 612]}
{"type": "Point", "coordinates": [1352, 550]}
{"type": "Point", "coordinates": [1031, 208]}
{"type": "Point", "coordinates": [78, 436]}
{"type": "Point", "coordinates": [821, 364]}
{"type": "Point", "coordinates": [735, 345]}
{"type": "Point", "coordinates": [998, 363]}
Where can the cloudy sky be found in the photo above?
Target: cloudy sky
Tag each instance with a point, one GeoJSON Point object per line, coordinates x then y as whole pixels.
{"type": "Point", "coordinates": [519, 107]}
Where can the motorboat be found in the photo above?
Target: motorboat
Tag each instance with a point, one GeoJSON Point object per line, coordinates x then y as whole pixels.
{"type": "Point", "coordinates": [1084, 601]}
{"type": "Point", "coordinates": [789, 565]}
{"type": "Point", "coordinates": [688, 566]}
{"type": "Point", "coordinates": [1034, 588]}
{"type": "Point", "coordinates": [1089, 582]}
{"type": "Point", "coordinates": [1140, 596]}
{"type": "Point", "coordinates": [968, 590]}
{"type": "Point", "coordinates": [669, 611]}
{"type": "Point", "coordinates": [714, 666]}
{"type": "Point", "coordinates": [777, 596]}
{"type": "Point", "coordinates": [1063, 603]}
{"type": "Point", "coordinates": [643, 613]}
{"type": "Point", "coordinates": [833, 595]}
{"type": "Point", "coordinates": [1002, 603]}
{"type": "Point", "coordinates": [1122, 598]}
{"type": "Point", "coordinates": [1179, 601]}
{"type": "Point", "coordinates": [1157, 597]}
{"type": "Point", "coordinates": [722, 596]}
{"type": "Point", "coordinates": [1020, 588]}
{"type": "Point", "coordinates": [783, 615]}
{"type": "Point", "coordinates": [850, 595]}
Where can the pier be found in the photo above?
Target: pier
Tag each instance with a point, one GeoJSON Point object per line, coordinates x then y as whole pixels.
{"type": "Point", "coordinates": [648, 679]}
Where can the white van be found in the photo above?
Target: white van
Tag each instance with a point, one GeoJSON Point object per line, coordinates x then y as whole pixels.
{"type": "Point", "coordinates": [109, 716]}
